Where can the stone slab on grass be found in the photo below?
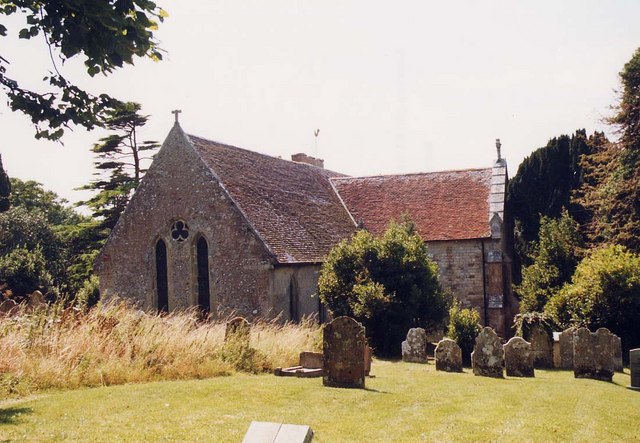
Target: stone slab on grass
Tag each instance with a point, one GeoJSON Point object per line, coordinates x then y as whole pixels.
{"type": "Point", "coordinates": [267, 432]}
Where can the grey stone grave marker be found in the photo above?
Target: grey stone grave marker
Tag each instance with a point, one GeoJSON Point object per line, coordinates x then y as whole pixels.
{"type": "Point", "coordinates": [634, 365]}
{"type": "Point", "coordinates": [518, 358]}
{"type": "Point", "coordinates": [448, 356]}
{"type": "Point", "coordinates": [542, 347]}
{"type": "Point", "coordinates": [593, 354]}
{"type": "Point", "coordinates": [343, 349]}
{"type": "Point", "coordinates": [487, 358]}
{"type": "Point", "coordinates": [566, 348]}
{"type": "Point", "coordinates": [414, 348]}
{"type": "Point", "coordinates": [266, 432]}
{"type": "Point", "coordinates": [238, 328]}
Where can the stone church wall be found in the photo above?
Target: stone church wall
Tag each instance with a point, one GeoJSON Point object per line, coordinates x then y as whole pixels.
{"type": "Point", "coordinates": [461, 271]}
{"type": "Point", "coordinates": [298, 283]}
{"type": "Point", "coordinates": [239, 264]}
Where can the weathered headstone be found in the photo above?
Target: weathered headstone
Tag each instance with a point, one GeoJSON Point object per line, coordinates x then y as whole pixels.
{"type": "Point", "coordinates": [556, 349]}
{"type": "Point", "coordinates": [518, 358]}
{"type": "Point", "coordinates": [566, 348]}
{"type": "Point", "coordinates": [36, 300]}
{"type": "Point", "coordinates": [414, 348]}
{"type": "Point", "coordinates": [343, 349]}
{"type": "Point", "coordinates": [593, 354]}
{"type": "Point", "coordinates": [7, 306]}
{"type": "Point", "coordinates": [634, 365]}
{"type": "Point", "coordinates": [487, 358]}
{"type": "Point", "coordinates": [448, 356]}
{"type": "Point", "coordinates": [368, 356]}
{"type": "Point", "coordinates": [310, 365]}
{"type": "Point", "coordinates": [618, 366]}
{"type": "Point", "coordinates": [541, 346]}
{"type": "Point", "coordinates": [238, 328]}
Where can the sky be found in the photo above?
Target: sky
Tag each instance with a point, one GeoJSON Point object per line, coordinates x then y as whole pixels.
{"type": "Point", "coordinates": [394, 87]}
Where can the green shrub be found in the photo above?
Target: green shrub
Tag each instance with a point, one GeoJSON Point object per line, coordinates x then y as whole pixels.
{"type": "Point", "coordinates": [89, 295]}
{"type": "Point", "coordinates": [464, 327]}
{"type": "Point", "coordinates": [25, 271]}
{"type": "Point", "coordinates": [388, 283]}
{"type": "Point", "coordinates": [604, 292]}
{"type": "Point", "coordinates": [555, 257]}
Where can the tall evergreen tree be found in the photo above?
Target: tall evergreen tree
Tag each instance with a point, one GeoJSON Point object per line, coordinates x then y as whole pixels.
{"type": "Point", "coordinates": [543, 186]}
{"type": "Point", "coordinates": [121, 158]}
{"type": "Point", "coordinates": [610, 194]}
{"type": "Point", "coordinates": [5, 188]}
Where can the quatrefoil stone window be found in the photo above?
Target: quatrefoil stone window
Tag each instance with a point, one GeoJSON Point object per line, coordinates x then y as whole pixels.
{"type": "Point", "coordinates": [179, 231]}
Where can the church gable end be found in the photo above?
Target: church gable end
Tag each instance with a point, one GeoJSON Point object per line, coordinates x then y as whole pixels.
{"type": "Point", "coordinates": [181, 218]}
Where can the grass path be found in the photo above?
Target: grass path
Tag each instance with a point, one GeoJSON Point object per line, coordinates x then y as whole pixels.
{"type": "Point", "coordinates": [404, 402]}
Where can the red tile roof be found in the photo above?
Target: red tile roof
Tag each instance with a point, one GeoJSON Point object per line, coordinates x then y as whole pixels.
{"type": "Point", "coordinates": [450, 205]}
{"type": "Point", "coordinates": [291, 206]}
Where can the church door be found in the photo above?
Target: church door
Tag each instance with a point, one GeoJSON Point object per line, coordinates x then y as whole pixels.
{"type": "Point", "coordinates": [162, 285]}
{"type": "Point", "coordinates": [202, 252]}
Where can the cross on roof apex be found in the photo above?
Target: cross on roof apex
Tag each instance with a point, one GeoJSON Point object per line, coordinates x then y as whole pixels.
{"type": "Point", "coordinates": [176, 112]}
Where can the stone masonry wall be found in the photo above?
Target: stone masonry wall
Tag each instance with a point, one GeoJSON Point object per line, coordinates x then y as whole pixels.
{"type": "Point", "coordinates": [239, 263]}
{"type": "Point", "coordinates": [461, 268]}
{"type": "Point", "coordinates": [306, 284]}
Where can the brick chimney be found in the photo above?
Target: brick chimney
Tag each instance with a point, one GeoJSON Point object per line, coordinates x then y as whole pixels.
{"type": "Point", "coordinates": [304, 158]}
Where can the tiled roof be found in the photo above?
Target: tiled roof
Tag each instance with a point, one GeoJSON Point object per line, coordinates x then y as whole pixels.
{"type": "Point", "coordinates": [452, 205]}
{"type": "Point", "coordinates": [291, 206]}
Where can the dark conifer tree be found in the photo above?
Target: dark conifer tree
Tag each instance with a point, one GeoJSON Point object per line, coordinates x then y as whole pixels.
{"type": "Point", "coordinates": [543, 186]}
{"type": "Point", "coordinates": [5, 188]}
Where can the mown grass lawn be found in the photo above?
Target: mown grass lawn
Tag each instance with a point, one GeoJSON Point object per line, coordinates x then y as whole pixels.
{"type": "Point", "coordinates": [404, 402]}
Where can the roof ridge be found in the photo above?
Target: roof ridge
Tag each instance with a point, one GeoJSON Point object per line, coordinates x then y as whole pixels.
{"type": "Point", "coordinates": [225, 145]}
{"type": "Point", "coordinates": [411, 174]}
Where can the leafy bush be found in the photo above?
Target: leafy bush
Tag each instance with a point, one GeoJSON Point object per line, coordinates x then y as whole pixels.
{"type": "Point", "coordinates": [555, 258]}
{"type": "Point", "coordinates": [89, 295]}
{"type": "Point", "coordinates": [387, 283]}
{"type": "Point", "coordinates": [464, 327]}
{"type": "Point", "coordinates": [604, 292]}
{"type": "Point", "coordinates": [25, 271]}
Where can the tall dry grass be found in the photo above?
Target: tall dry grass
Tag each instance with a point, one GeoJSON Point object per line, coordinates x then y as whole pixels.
{"type": "Point", "coordinates": [115, 343]}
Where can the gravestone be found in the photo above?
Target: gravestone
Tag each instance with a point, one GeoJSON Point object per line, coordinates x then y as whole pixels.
{"type": "Point", "coordinates": [487, 358]}
{"type": "Point", "coordinates": [448, 356]}
{"type": "Point", "coordinates": [36, 300]}
{"type": "Point", "coordinates": [238, 328]}
{"type": "Point", "coordinates": [414, 348]}
{"type": "Point", "coordinates": [566, 348]}
{"type": "Point", "coordinates": [593, 354]}
{"type": "Point", "coordinates": [518, 358]}
{"type": "Point", "coordinates": [634, 365]}
{"type": "Point", "coordinates": [343, 348]}
{"type": "Point", "coordinates": [541, 346]}
{"type": "Point", "coordinates": [7, 306]}
{"type": "Point", "coordinates": [310, 365]}
{"type": "Point", "coordinates": [266, 432]}
{"type": "Point", "coordinates": [368, 356]}
{"type": "Point", "coordinates": [618, 366]}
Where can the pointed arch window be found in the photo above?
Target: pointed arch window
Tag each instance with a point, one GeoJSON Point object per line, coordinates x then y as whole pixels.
{"type": "Point", "coordinates": [202, 259]}
{"type": "Point", "coordinates": [162, 284]}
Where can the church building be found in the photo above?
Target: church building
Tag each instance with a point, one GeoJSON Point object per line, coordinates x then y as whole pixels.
{"type": "Point", "coordinates": [237, 232]}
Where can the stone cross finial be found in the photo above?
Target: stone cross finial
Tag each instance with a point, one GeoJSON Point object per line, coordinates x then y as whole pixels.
{"type": "Point", "coordinates": [176, 112]}
{"type": "Point", "coordinates": [498, 146]}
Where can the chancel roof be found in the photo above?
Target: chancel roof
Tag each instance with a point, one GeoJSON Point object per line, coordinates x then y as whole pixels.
{"type": "Point", "coordinates": [451, 205]}
{"type": "Point", "coordinates": [291, 206]}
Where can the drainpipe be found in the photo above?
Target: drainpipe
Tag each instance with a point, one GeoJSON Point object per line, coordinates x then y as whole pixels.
{"type": "Point", "coordinates": [484, 285]}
